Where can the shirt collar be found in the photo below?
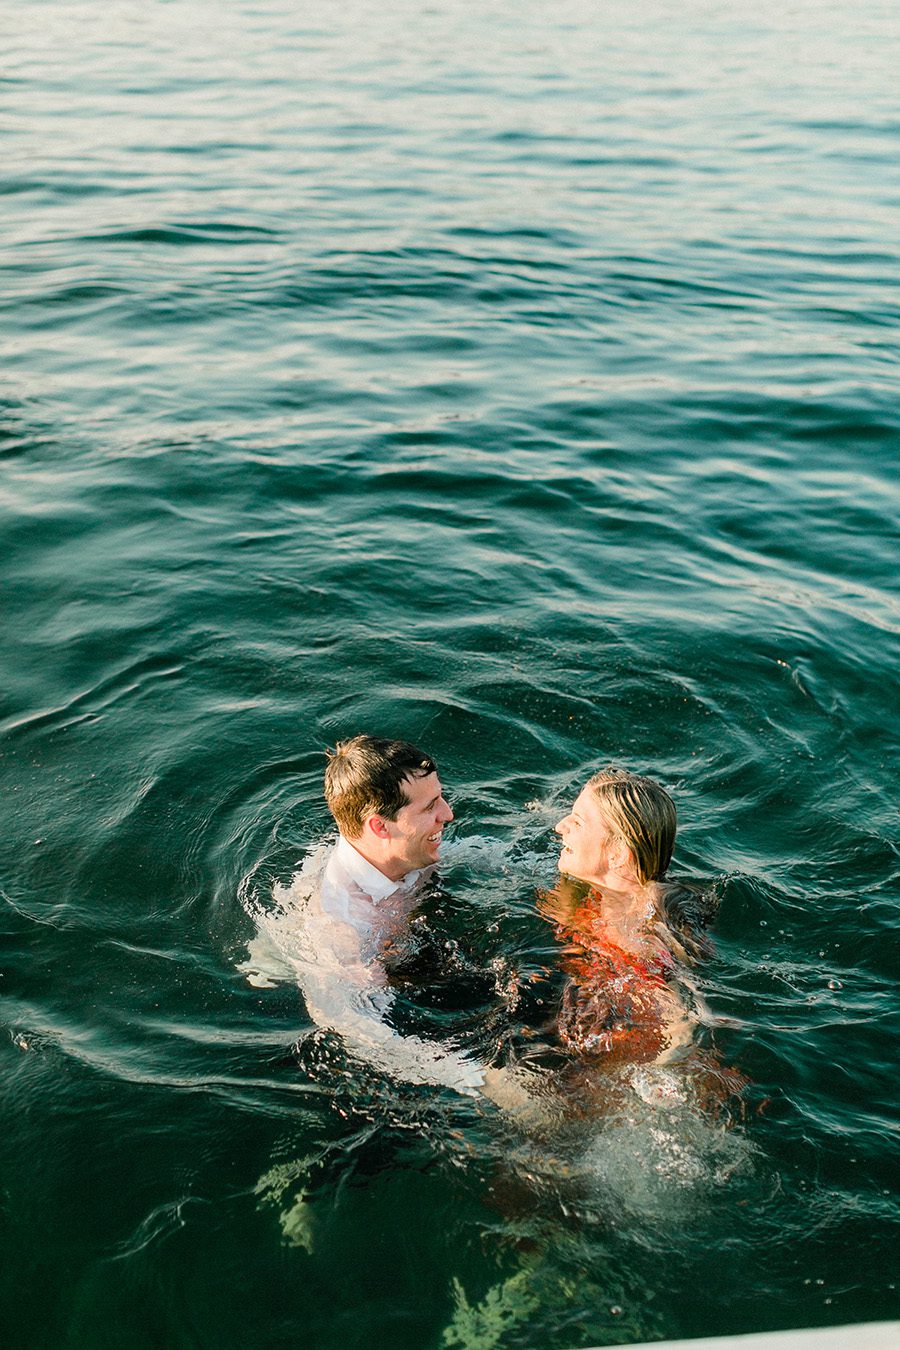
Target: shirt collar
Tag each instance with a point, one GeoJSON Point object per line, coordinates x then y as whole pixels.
{"type": "Point", "coordinates": [367, 877]}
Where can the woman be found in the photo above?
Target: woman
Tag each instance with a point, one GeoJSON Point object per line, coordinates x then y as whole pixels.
{"type": "Point", "coordinates": [629, 934]}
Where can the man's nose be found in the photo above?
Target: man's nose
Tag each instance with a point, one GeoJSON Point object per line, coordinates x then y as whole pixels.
{"type": "Point", "coordinates": [446, 812]}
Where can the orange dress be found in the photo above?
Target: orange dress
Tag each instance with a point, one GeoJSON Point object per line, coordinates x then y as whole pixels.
{"type": "Point", "coordinates": [616, 1004]}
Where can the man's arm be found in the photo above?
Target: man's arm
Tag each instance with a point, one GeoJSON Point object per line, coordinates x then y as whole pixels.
{"type": "Point", "coordinates": [349, 995]}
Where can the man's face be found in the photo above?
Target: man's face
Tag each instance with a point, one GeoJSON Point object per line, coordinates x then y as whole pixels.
{"type": "Point", "coordinates": [586, 838]}
{"type": "Point", "coordinates": [416, 833]}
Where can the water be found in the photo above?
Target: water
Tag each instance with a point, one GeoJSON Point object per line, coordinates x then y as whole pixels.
{"type": "Point", "coordinates": [523, 383]}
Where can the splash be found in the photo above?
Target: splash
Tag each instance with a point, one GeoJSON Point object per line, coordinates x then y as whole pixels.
{"type": "Point", "coordinates": [659, 1153]}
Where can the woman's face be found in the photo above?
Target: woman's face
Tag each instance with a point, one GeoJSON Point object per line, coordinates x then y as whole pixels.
{"type": "Point", "coordinates": [586, 838]}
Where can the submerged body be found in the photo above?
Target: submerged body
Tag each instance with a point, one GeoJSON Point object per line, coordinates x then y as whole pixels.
{"type": "Point", "coordinates": [621, 1002]}
{"type": "Point", "coordinates": [336, 925]}
{"type": "Point", "coordinates": [617, 1002]}
{"type": "Point", "coordinates": [628, 1014]}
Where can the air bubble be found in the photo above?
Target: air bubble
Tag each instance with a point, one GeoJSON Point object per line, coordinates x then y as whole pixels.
{"type": "Point", "coordinates": [835, 984]}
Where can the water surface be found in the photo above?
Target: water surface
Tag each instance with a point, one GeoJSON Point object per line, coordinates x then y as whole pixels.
{"type": "Point", "coordinates": [525, 384]}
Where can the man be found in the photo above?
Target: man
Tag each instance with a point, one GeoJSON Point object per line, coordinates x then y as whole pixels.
{"type": "Point", "coordinates": [334, 923]}
{"type": "Point", "coordinates": [389, 806]}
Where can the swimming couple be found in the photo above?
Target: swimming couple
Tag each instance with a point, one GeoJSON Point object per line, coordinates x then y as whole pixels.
{"type": "Point", "coordinates": [623, 935]}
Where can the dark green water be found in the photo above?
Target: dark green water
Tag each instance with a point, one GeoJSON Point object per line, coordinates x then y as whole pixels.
{"type": "Point", "coordinates": [523, 382]}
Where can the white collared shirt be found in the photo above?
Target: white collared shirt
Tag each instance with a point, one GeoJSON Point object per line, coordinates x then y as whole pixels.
{"type": "Point", "coordinates": [364, 874]}
{"type": "Point", "coordinates": [354, 891]}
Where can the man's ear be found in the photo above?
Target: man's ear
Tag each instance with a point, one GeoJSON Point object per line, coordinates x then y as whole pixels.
{"type": "Point", "coordinates": [376, 825]}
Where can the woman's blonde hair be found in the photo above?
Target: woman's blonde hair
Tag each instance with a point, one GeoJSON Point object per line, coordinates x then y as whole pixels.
{"type": "Point", "coordinates": [642, 815]}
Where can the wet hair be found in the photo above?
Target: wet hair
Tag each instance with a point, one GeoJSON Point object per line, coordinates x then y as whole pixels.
{"type": "Point", "coordinates": [365, 775]}
{"type": "Point", "coordinates": [642, 815]}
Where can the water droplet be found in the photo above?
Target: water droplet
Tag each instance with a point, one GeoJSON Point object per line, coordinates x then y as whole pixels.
{"type": "Point", "coordinates": [616, 1310]}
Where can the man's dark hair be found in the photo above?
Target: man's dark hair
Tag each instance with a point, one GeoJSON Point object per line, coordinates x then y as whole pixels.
{"type": "Point", "coordinates": [364, 776]}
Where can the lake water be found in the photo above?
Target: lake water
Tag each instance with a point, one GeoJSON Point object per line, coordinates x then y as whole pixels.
{"type": "Point", "coordinates": [522, 381]}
